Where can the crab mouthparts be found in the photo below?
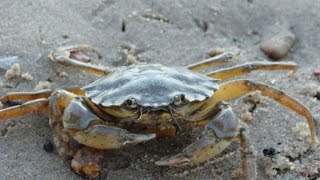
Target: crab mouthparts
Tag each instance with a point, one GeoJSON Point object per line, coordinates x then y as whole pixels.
{"type": "Point", "coordinates": [155, 109]}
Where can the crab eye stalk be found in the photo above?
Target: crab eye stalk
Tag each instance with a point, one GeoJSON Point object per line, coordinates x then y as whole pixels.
{"type": "Point", "coordinates": [179, 99]}
{"type": "Point", "coordinates": [131, 103]}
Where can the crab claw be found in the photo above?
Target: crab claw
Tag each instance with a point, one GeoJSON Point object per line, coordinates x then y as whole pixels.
{"type": "Point", "coordinates": [219, 132]}
{"type": "Point", "coordinates": [177, 160]}
{"type": "Point", "coordinates": [131, 138]}
{"type": "Point", "coordinates": [105, 137]}
{"type": "Point", "coordinates": [206, 147]}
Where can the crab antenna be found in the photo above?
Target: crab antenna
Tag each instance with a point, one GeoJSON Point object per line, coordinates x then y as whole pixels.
{"type": "Point", "coordinates": [141, 112]}
{"type": "Point", "coordinates": [170, 109]}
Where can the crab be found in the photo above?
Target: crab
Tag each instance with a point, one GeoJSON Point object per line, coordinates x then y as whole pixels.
{"type": "Point", "coordinates": [88, 121]}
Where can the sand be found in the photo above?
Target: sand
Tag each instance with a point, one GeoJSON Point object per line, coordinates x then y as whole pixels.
{"type": "Point", "coordinates": [172, 33]}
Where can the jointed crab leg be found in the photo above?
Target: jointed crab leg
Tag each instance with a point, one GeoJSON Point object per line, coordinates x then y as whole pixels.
{"type": "Point", "coordinates": [253, 66]}
{"type": "Point", "coordinates": [236, 88]}
{"type": "Point", "coordinates": [27, 96]}
{"type": "Point", "coordinates": [247, 155]}
{"type": "Point", "coordinates": [62, 56]}
{"type": "Point", "coordinates": [211, 62]}
{"type": "Point", "coordinates": [34, 106]}
{"type": "Point", "coordinates": [85, 160]}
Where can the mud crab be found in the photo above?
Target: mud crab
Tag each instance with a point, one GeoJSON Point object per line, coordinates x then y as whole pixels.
{"type": "Point", "coordinates": [86, 121]}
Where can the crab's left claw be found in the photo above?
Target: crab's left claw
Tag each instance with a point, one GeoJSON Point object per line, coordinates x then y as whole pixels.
{"type": "Point", "coordinates": [180, 159]}
{"type": "Point", "coordinates": [219, 132]}
{"type": "Point", "coordinates": [206, 147]}
{"type": "Point", "coordinates": [221, 129]}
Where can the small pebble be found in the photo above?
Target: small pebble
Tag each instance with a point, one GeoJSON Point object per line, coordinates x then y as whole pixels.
{"type": "Point", "coordinates": [185, 173]}
{"type": "Point", "coordinates": [131, 49]}
{"type": "Point", "coordinates": [246, 116]}
{"type": "Point", "coordinates": [43, 85]}
{"type": "Point", "coordinates": [215, 51]}
{"type": "Point", "coordinates": [311, 89]}
{"type": "Point", "coordinates": [316, 73]}
{"type": "Point", "coordinates": [269, 152]}
{"type": "Point", "coordinates": [13, 72]}
{"type": "Point", "coordinates": [63, 74]}
{"type": "Point", "coordinates": [302, 130]}
{"type": "Point", "coordinates": [276, 164]}
{"type": "Point", "coordinates": [278, 46]}
{"type": "Point", "coordinates": [48, 146]}
{"type": "Point", "coordinates": [27, 76]}
{"type": "Point", "coordinates": [131, 59]}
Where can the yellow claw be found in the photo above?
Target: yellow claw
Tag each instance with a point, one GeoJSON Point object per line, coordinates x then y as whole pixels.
{"type": "Point", "coordinates": [206, 147]}
{"type": "Point", "coordinates": [104, 137]}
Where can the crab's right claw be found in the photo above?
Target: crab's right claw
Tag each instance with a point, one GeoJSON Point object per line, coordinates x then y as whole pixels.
{"type": "Point", "coordinates": [105, 137]}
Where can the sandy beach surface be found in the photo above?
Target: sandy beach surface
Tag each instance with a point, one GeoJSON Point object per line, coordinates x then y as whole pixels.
{"type": "Point", "coordinates": [174, 33]}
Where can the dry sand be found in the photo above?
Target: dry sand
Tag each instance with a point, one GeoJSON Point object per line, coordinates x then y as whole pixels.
{"type": "Point", "coordinates": [176, 32]}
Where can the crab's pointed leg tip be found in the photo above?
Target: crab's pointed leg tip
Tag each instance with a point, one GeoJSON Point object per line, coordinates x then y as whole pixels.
{"type": "Point", "coordinates": [177, 160]}
{"type": "Point", "coordinates": [314, 146]}
{"type": "Point", "coordinates": [138, 138]}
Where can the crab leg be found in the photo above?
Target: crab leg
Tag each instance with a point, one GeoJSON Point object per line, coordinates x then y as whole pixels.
{"type": "Point", "coordinates": [253, 66]}
{"type": "Point", "coordinates": [34, 106]}
{"type": "Point", "coordinates": [85, 160]}
{"type": "Point", "coordinates": [236, 88]}
{"type": "Point", "coordinates": [211, 62]}
{"type": "Point", "coordinates": [59, 135]}
{"type": "Point", "coordinates": [249, 166]}
{"type": "Point", "coordinates": [62, 55]}
{"type": "Point", "coordinates": [45, 93]}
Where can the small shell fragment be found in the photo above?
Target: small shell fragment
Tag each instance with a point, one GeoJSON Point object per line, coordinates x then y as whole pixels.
{"type": "Point", "coordinates": [27, 76]}
{"type": "Point", "coordinates": [13, 72]}
{"type": "Point", "coordinates": [43, 85]}
{"type": "Point", "coordinates": [63, 74]}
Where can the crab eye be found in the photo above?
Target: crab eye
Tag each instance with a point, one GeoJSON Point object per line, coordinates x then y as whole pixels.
{"type": "Point", "coordinates": [178, 99]}
{"type": "Point", "coordinates": [131, 103]}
